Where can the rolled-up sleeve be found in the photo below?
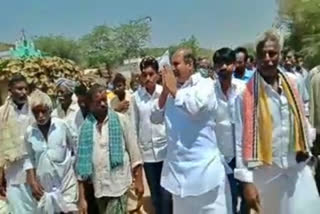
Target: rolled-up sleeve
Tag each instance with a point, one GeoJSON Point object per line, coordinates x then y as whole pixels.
{"type": "Point", "coordinates": [241, 172]}
{"type": "Point", "coordinates": [131, 143]}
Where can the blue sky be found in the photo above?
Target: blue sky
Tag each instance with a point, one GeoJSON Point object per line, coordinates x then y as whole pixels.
{"type": "Point", "coordinates": [215, 23]}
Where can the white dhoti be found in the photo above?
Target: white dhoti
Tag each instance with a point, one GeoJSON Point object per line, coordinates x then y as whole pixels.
{"type": "Point", "coordinates": [20, 199]}
{"type": "Point", "coordinates": [285, 191]}
{"type": "Point", "coordinates": [60, 185]}
{"type": "Point", "coordinates": [217, 201]}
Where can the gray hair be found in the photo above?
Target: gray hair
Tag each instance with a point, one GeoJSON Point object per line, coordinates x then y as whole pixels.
{"type": "Point", "coordinates": [37, 98]}
{"type": "Point", "coordinates": [270, 35]}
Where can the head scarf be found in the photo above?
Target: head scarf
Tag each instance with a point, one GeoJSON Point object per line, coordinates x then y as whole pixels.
{"type": "Point", "coordinates": [67, 83]}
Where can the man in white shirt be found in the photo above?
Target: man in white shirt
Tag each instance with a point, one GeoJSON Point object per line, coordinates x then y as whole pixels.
{"type": "Point", "coordinates": [15, 117]}
{"type": "Point", "coordinates": [272, 148]}
{"type": "Point", "coordinates": [227, 88]}
{"type": "Point", "coordinates": [151, 137]}
{"type": "Point", "coordinates": [193, 170]}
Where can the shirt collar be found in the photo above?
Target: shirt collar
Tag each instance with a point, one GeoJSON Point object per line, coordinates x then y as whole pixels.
{"type": "Point", "coordinates": [246, 75]}
{"type": "Point", "coordinates": [268, 87]}
{"type": "Point", "coordinates": [193, 80]}
{"type": "Point", "coordinates": [143, 91]}
{"type": "Point", "coordinates": [234, 86]}
{"type": "Point", "coordinates": [25, 107]}
{"type": "Point", "coordinates": [52, 125]}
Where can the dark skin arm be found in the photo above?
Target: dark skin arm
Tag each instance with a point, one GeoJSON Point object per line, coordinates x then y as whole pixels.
{"type": "Point", "coordinates": [37, 189]}
{"type": "Point", "coordinates": [251, 195]}
{"type": "Point", "coordinates": [3, 190]}
{"type": "Point", "coordinates": [82, 204]}
{"type": "Point", "coordinates": [138, 181]}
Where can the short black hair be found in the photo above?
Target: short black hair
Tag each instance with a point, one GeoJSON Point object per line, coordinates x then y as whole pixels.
{"type": "Point", "coordinates": [242, 50]}
{"type": "Point", "coordinates": [149, 61]}
{"type": "Point", "coordinates": [95, 88]}
{"type": "Point", "coordinates": [16, 78]}
{"type": "Point", "coordinates": [251, 57]}
{"type": "Point", "coordinates": [224, 55]}
{"type": "Point", "coordinates": [119, 78]}
{"type": "Point", "coordinates": [288, 50]}
{"type": "Point", "coordinates": [81, 90]}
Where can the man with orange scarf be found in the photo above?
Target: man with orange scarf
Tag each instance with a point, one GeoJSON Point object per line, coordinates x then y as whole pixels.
{"type": "Point", "coordinates": [272, 148]}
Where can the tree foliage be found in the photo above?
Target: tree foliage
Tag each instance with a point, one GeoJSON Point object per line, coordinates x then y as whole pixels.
{"type": "Point", "coordinates": [99, 47]}
{"type": "Point", "coordinates": [302, 20]}
{"type": "Point", "coordinates": [111, 45]}
{"type": "Point", "coordinates": [191, 43]}
{"type": "Point", "coordinates": [132, 38]}
{"type": "Point", "coordinates": [58, 46]}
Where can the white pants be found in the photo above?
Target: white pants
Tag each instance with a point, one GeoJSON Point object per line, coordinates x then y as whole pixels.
{"type": "Point", "coordinates": [217, 201]}
{"type": "Point", "coordinates": [3, 207]}
{"type": "Point", "coordinates": [20, 199]}
{"type": "Point", "coordinates": [286, 191]}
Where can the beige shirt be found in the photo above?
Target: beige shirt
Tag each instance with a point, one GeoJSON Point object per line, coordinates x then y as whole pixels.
{"type": "Point", "coordinates": [14, 171]}
{"type": "Point", "coordinates": [107, 182]}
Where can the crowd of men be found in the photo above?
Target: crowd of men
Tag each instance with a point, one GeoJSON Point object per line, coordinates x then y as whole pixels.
{"type": "Point", "coordinates": [239, 135]}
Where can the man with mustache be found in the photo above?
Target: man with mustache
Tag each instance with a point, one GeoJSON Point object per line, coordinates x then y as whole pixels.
{"type": "Point", "coordinates": [241, 72]}
{"type": "Point", "coordinates": [227, 88]}
{"type": "Point", "coordinates": [193, 170]}
{"type": "Point", "coordinates": [15, 116]}
{"type": "Point", "coordinates": [289, 67]}
{"type": "Point", "coordinates": [272, 141]}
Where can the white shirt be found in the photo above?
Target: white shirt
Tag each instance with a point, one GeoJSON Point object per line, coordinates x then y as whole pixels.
{"type": "Point", "coordinates": [224, 117]}
{"type": "Point", "coordinates": [72, 117]}
{"type": "Point", "coordinates": [151, 137]}
{"type": "Point", "coordinates": [53, 162]}
{"type": "Point", "coordinates": [68, 116]}
{"type": "Point", "coordinates": [107, 182]}
{"type": "Point", "coordinates": [193, 165]}
{"type": "Point", "coordinates": [15, 173]}
{"type": "Point", "coordinates": [283, 157]}
{"type": "Point", "coordinates": [78, 120]}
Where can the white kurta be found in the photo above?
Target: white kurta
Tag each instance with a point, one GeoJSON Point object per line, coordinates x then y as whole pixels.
{"type": "Point", "coordinates": [285, 184]}
{"type": "Point", "coordinates": [193, 167]}
{"type": "Point", "coordinates": [54, 166]}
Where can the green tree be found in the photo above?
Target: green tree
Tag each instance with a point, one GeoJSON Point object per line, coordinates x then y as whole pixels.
{"type": "Point", "coordinates": [99, 47]}
{"type": "Point", "coordinates": [191, 43]}
{"type": "Point", "coordinates": [302, 20]}
{"type": "Point", "coordinates": [133, 36]}
{"type": "Point", "coordinates": [58, 46]}
{"type": "Point", "coordinates": [111, 45]}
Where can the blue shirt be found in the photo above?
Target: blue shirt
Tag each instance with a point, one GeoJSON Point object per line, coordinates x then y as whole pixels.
{"type": "Point", "coordinates": [246, 77]}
